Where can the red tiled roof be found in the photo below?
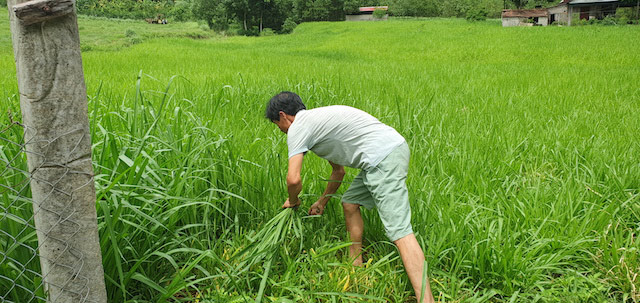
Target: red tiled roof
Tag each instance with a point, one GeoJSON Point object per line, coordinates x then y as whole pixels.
{"type": "Point", "coordinates": [524, 13]}
{"type": "Point", "coordinates": [372, 8]}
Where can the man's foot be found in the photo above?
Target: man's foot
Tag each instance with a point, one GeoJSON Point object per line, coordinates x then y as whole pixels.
{"type": "Point", "coordinates": [355, 253]}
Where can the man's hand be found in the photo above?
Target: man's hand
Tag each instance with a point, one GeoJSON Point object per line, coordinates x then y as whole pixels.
{"type": "Point", "coordinates": [316, 209]}
{"type": "Point", "coordinates": [289, 204]}
{"type": "Point", "coordinates": [294, 182]}
{"type": "Point", "coordinates": [337, 174]}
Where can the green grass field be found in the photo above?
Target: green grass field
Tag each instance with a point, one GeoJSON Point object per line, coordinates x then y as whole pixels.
{"type": "Point", "coordinates": [524, 178]}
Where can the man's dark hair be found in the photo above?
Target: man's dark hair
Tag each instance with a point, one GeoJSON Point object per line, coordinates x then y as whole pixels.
{"type": "Point", "coordinates": [288, 102]}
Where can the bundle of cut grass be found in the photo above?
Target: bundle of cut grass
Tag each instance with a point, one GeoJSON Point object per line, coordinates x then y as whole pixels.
{"type": "Point", "coordinates": [267, 242]}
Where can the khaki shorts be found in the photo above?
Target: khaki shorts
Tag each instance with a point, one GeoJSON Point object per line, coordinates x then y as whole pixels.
{"type": "Point", "coordinates": [384, 188]}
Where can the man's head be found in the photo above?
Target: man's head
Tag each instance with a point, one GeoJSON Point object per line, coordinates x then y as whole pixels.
{"type": "Point", "coordinates": [282, 109]}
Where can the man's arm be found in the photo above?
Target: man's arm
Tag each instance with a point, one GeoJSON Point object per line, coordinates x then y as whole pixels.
{"type": "Point", "coordinates": [337, 174]}
{"type": "Point", "coordinates": [294, 181]}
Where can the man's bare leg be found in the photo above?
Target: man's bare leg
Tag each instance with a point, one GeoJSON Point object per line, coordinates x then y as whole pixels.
{"type": "Point", "coordinates": [413, 259]}
{"type": "Point", "coordinates": [355, 228]}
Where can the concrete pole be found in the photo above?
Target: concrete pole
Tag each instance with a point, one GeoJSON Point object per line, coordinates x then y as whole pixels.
{"type": "Point", "coordinates": [53, 101]}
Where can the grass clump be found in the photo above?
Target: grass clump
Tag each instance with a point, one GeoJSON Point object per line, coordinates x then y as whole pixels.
{"type": "Point", "coordinates": [267, 242]}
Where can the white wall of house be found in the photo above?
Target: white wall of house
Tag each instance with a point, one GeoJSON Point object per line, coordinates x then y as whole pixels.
{"type": "Point", "coordinates": [560, 13]}
{"type": "Point", "coordinates": [515, 21]}
{"type": "Point", "coordinates": [544, 21]}
{"type": "Point", "coordinates": [364, 18]}
{"type": "Point", "coordinates": [512, 22]}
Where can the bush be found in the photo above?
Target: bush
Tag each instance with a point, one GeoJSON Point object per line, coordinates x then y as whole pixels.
{"type": "Point", "coordinates": [581, 22]}
{"type": "Point", "coordinates": [267, 32]}
{"type": "Point", "coordinates": [134, 40]}
{"type": "Point", "coordinates": [609, 20]}
{"type": "Point", "coordinates": [626, 15]}
{"type": "Point", "coordinates": [623, 20]}
{"type": "Point", "coordinates": [288, 26]}
{"type": "Point", "coordinates": [252, 31]}
{"type": "Point", "coordinates": [129, 33]}
{"type": "Point", "coordinates": [379, 13]}
{"type": "Point", "coordinates": [476, 14]}
{"type": "Point", "coordinates": [3, 3]}
{"type": "Point", "coordinates": [234, 29]}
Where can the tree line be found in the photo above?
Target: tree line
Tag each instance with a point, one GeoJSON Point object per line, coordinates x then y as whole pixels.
{"type": "Point", "coordinates": [253, 17]}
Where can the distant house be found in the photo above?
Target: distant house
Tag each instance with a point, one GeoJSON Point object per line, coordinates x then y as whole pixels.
{"type": "Point", "coordinates": [563, 13]}
{"type": "Point", "coordinates": [568, 10]}
{"type": "Point", "coordinates": [525, 17]}
{"type": "Point", "coordinates": [366, 13]}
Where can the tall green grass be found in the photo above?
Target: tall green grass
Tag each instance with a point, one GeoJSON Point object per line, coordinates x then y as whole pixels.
{"type": "Point", "coordinates": [524, 178]}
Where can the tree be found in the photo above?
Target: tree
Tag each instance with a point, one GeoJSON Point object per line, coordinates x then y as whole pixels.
{"type": "Point", "coordinates": [211, 11]}
{"type": "Point", "coordinates": [319, 10]}
{"type": "Point", "coordinates": [256, 15]}
{"type": "Point", "coordinates": [309, 10]}
{"type": "Point", "coordinates": [415, 8]}
{"type": "Point", "coordinates": [336, 11]}
{"type": "Point", "coordinates": [351, 6]}
{"type": "Point", "coordinates": [240, 9]}
{"type": "Point", "coordinates": [543, 3]}
{"type": "Point", "coordinates": [455, 8]}
{"type": "Point", "coordinates": [519, 3]}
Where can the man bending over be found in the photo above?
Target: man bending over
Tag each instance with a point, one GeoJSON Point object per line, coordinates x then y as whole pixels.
{"type": "Point", "coordinates": [346, 136]}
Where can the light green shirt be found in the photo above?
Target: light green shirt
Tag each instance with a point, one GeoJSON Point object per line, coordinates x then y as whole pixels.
{"type": "Point", "coordinates": [343, 135]}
